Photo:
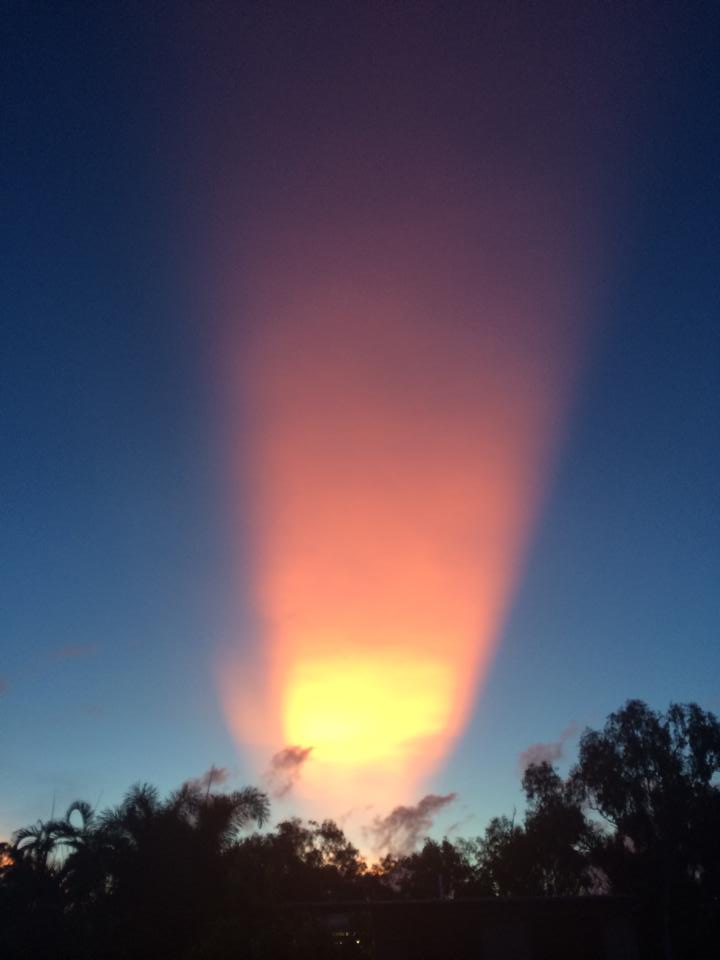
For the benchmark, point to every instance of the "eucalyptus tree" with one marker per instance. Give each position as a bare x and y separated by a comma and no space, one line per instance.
652,777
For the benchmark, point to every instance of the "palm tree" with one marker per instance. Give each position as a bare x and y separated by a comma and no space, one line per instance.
165,860
216,819
127,822
35,844
146,875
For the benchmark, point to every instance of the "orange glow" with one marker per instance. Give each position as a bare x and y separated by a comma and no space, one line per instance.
400,423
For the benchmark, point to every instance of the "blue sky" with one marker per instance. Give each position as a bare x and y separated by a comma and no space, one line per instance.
115,555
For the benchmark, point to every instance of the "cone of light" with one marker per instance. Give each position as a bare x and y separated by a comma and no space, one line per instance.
398,438
401,324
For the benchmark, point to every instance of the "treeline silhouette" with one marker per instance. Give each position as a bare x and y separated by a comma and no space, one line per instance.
183,877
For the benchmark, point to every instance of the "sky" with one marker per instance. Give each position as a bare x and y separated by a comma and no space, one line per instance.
280,281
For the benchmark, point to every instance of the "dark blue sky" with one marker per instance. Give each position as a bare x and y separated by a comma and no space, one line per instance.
115,555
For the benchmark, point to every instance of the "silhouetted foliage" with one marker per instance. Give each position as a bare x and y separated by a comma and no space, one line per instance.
652,778
438,870
181,877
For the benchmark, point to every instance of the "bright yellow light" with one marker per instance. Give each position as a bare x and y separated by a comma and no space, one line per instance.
361,710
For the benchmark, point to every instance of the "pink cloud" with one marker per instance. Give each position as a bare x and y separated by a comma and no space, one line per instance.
404,828
550,752
284,771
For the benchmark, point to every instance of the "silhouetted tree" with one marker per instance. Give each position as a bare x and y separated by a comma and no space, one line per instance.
181,878
652,777
561,840
440,870
548,854
32,902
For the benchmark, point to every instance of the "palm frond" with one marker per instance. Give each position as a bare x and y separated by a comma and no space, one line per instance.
87,813
142,797
33,832
251,806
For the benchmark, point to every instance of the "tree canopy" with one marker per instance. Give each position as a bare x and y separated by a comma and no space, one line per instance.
192,876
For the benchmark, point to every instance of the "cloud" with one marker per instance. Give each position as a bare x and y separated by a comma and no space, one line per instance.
214,777
284,771
94,710
550,752
73,651
454,827
403,828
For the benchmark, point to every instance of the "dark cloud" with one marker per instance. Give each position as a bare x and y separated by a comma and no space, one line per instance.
284,771
403,828
545,752
73,651
214,777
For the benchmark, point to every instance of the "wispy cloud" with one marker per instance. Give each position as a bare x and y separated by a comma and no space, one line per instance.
73,651
549,752
403,828
94,710
455,827
284,770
